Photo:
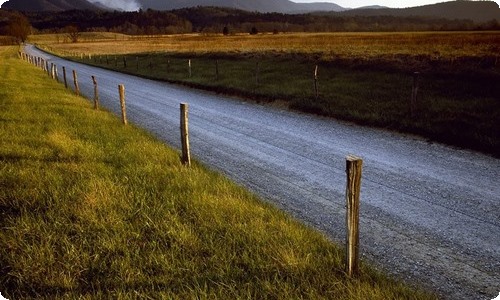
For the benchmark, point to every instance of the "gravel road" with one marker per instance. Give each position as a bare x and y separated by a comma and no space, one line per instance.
430,214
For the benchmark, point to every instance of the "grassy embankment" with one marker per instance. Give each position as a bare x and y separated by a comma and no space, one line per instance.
90,208
363,77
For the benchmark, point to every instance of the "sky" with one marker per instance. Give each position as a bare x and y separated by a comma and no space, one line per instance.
343,3
388,3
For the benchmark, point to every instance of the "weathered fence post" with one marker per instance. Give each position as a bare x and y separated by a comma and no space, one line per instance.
75,81
414,94
53,71
353,169
186,155
96,93
121,90
316,87
64,76
56,73
47,69
190,72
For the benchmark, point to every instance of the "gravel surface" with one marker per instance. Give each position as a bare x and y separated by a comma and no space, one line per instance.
430,214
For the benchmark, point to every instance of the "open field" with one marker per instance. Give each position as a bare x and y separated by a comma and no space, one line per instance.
363,77
94,209
325,46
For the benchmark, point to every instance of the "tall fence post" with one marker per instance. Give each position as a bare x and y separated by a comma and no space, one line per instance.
353,169
186,154
414,94
56,73
75,81
53,71
190,71
96,93
121,90
64,76
316,87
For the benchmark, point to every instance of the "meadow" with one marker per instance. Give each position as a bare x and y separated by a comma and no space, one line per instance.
92,209
365,78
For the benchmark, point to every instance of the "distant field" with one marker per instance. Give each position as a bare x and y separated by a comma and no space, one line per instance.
363,77
444,45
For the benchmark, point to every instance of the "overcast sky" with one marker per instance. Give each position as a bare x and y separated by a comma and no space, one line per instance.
359,3
388,3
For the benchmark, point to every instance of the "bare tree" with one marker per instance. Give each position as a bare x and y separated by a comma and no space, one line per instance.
19,27
73,33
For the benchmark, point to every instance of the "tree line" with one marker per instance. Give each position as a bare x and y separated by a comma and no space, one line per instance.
221,20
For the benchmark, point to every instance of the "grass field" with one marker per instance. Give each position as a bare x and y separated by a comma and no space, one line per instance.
363,77
325,46
92,209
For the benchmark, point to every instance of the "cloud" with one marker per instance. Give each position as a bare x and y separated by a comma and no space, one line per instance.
128,5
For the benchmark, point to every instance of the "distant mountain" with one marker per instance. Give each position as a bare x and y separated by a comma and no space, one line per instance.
264,6
49,5
477,11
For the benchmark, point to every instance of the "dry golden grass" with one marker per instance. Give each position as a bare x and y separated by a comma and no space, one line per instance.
324,45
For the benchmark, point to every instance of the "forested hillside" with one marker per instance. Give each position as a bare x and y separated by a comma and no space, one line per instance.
219,20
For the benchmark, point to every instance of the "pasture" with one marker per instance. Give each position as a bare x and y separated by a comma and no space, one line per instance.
366,78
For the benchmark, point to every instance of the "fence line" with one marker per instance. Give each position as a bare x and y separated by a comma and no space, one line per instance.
353,164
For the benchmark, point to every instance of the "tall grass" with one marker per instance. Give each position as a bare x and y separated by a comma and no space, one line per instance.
93,209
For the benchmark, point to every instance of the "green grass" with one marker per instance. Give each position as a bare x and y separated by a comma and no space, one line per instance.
90,208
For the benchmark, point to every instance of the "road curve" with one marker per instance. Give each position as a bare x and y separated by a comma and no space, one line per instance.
430,213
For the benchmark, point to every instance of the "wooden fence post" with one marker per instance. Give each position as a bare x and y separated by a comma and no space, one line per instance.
190,72
64,76
121,90
53,71
96,93
316,87
75,81
186,154
56,74
353,169
47,69
414,94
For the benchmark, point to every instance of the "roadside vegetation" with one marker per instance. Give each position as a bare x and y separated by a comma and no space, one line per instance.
362,77
90,208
